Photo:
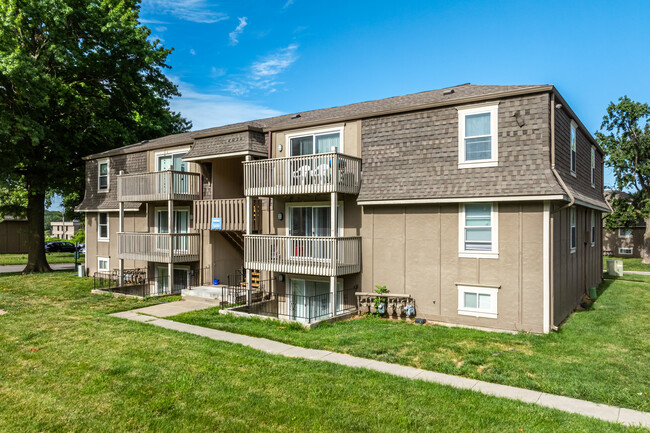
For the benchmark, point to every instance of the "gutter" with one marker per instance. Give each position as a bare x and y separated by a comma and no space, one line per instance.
557,175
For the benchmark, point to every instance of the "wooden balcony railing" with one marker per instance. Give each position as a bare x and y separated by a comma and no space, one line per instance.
158,186
155,247
232,212
303,254
311,174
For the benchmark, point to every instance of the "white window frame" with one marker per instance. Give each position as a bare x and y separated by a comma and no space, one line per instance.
171,153
573,148
593,167
593,228
624,230
625,251
314,133
494,224
99,227
494,134
108,264
108,174
573,230
490,313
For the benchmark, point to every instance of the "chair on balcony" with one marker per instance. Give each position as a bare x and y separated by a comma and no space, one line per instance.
321,175
301,175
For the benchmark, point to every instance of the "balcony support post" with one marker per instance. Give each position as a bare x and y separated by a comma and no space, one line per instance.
121,230
249,230
170,230
334,224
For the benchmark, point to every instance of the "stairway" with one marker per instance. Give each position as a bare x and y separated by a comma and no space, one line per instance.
236,239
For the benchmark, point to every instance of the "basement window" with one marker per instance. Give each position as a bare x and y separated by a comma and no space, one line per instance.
625,251
477,301
102,264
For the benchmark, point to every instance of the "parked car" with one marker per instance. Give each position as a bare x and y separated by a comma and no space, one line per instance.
60,247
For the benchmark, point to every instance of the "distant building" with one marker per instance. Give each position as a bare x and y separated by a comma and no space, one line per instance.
623,242
13,235
65,229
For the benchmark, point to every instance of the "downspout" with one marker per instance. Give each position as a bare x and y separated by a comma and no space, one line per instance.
557,175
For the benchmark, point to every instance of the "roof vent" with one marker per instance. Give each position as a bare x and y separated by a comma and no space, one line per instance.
448,92
296,116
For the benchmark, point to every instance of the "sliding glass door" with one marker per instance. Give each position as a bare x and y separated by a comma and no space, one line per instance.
310,299
311,221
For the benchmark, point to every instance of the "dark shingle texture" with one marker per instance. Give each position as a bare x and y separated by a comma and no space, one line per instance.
94,200
415,155
358,110
251,141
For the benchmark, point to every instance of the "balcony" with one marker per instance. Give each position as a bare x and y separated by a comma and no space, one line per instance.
311,174
232,212
155,247
305,255
158,186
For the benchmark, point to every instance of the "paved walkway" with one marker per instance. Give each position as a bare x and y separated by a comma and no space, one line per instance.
566,404
637,272
54,266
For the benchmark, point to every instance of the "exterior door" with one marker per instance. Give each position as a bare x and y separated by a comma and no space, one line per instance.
181,279
311,221
162,280
181,225
310,300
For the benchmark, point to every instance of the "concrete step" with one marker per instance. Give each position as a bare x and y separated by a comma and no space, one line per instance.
209,292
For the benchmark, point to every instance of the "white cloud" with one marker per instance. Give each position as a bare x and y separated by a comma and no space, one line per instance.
161,29
207,110
287,4
217,72
263,73
198,11
238,31
275,63
192,52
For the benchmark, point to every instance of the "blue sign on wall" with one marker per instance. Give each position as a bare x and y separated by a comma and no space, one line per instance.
215,224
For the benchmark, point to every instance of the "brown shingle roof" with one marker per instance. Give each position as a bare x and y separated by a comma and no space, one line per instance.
409,102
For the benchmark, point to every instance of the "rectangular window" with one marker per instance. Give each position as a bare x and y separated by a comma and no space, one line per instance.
625,251
102,264
478,301
573,147
593,166
593,228
478,230
624,233
573,233
102,175
315,143
477,134
102,226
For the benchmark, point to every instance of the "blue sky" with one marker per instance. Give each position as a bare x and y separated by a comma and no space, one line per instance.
241,60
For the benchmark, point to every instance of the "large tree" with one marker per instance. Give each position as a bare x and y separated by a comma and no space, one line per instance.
76,77
626,142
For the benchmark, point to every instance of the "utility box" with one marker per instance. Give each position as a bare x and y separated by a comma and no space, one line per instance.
615,268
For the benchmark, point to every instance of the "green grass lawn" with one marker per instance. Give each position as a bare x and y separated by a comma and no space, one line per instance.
629,263
600,354
68,367
21,259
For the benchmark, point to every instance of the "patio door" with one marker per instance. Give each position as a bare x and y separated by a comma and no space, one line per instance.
312,221
181,279
173,162
162,280
181,225
310,299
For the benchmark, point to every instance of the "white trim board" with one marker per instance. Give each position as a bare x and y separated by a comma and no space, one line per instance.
224,155
546,268
495,199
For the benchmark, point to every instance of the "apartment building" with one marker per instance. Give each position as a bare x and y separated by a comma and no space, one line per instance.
65,229
478,205
624,241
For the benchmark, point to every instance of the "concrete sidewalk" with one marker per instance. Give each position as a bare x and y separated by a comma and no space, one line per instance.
595,410
54,266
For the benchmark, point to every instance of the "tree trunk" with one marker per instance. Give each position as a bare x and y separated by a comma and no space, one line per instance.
645,251
36,260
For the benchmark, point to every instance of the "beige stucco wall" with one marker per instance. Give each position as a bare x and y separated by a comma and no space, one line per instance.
414,250
133,222
612,242
351,138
